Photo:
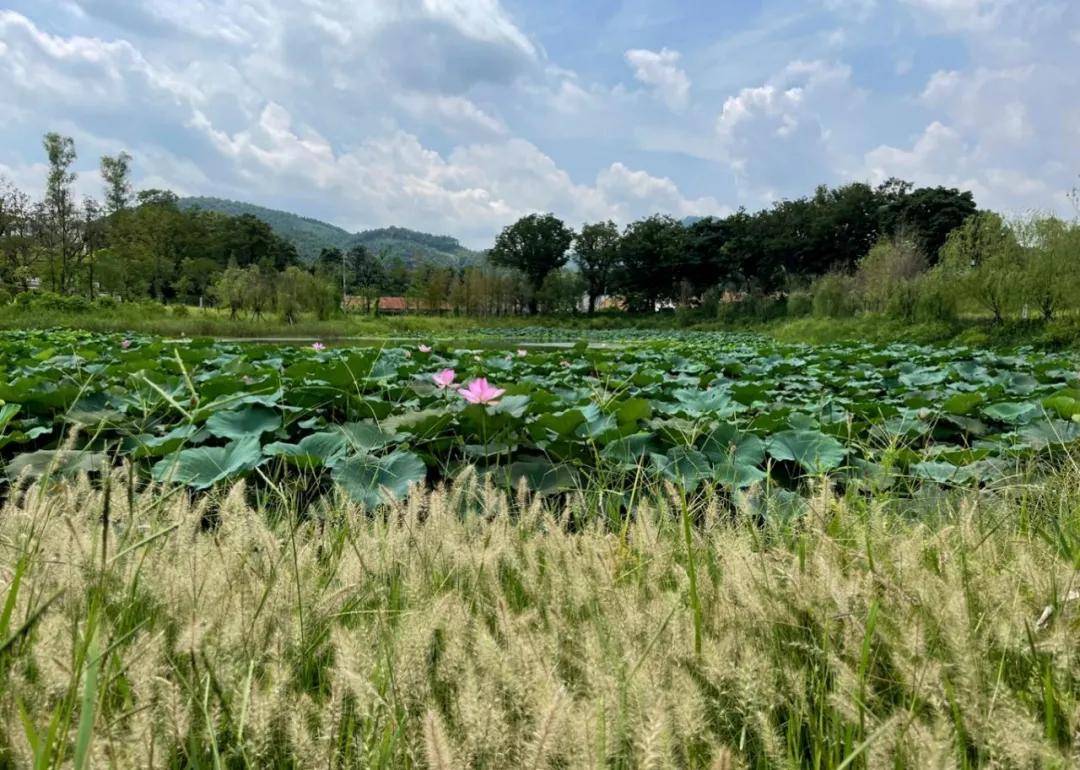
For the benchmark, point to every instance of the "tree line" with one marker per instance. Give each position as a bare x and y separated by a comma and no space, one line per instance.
660,261
826,250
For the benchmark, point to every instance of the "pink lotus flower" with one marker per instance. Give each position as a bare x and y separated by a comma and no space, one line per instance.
522,352
424,348
444,379
317,346
125,344
481,392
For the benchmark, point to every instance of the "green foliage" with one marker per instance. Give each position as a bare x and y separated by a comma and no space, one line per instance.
596,253
985,261
800,304
834,296
649,253
926,215
535,245
561,292
1051,249
752,308
696,408
935,299
890,268
300,292
311,236
116,171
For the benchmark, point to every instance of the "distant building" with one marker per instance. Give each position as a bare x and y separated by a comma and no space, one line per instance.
393,305
353,303
603,302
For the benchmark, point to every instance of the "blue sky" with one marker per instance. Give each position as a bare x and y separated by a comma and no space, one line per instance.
458,116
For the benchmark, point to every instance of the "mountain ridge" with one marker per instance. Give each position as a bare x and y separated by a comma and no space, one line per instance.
311,235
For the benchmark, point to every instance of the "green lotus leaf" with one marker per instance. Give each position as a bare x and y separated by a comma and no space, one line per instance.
202,467
815,451
247,421
1012,413
542,476
373,481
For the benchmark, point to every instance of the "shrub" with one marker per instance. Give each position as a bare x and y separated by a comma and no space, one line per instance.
105,302
834,296
710,301
800,304
1051,280
753,308
47,300
935,300
902,300
889,268
983,259
561,292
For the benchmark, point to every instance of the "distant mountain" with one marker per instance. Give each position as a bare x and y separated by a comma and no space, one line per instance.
310,236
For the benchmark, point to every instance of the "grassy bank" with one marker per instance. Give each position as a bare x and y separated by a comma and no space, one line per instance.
1056,335
175,321
466,630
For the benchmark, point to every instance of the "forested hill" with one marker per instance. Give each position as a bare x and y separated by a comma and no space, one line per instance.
310,236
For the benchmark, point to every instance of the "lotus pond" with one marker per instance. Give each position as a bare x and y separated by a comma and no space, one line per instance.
726,411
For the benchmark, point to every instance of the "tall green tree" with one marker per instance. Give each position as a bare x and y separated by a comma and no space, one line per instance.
116,171
926,215
366,275
1051,262
596,251
649,253
985,262
535,245
230,289
18,238
61,216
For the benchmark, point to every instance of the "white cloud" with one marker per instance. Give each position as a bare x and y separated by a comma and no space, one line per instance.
931,159
634,194
472,191
660,70
453,113
78,70
962,14
1001,125
782,134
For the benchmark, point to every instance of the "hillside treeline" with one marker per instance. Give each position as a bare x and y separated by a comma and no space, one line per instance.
893,248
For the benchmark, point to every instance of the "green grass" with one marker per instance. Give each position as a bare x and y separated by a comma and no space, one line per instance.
465,629
175,321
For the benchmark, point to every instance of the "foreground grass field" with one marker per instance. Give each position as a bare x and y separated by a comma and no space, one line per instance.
464,629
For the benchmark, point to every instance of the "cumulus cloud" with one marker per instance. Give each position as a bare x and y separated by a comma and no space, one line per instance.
781,134
78,70
632,194
660,70
472,191
1000,125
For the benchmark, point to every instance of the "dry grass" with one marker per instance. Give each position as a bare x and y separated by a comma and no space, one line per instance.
465,630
